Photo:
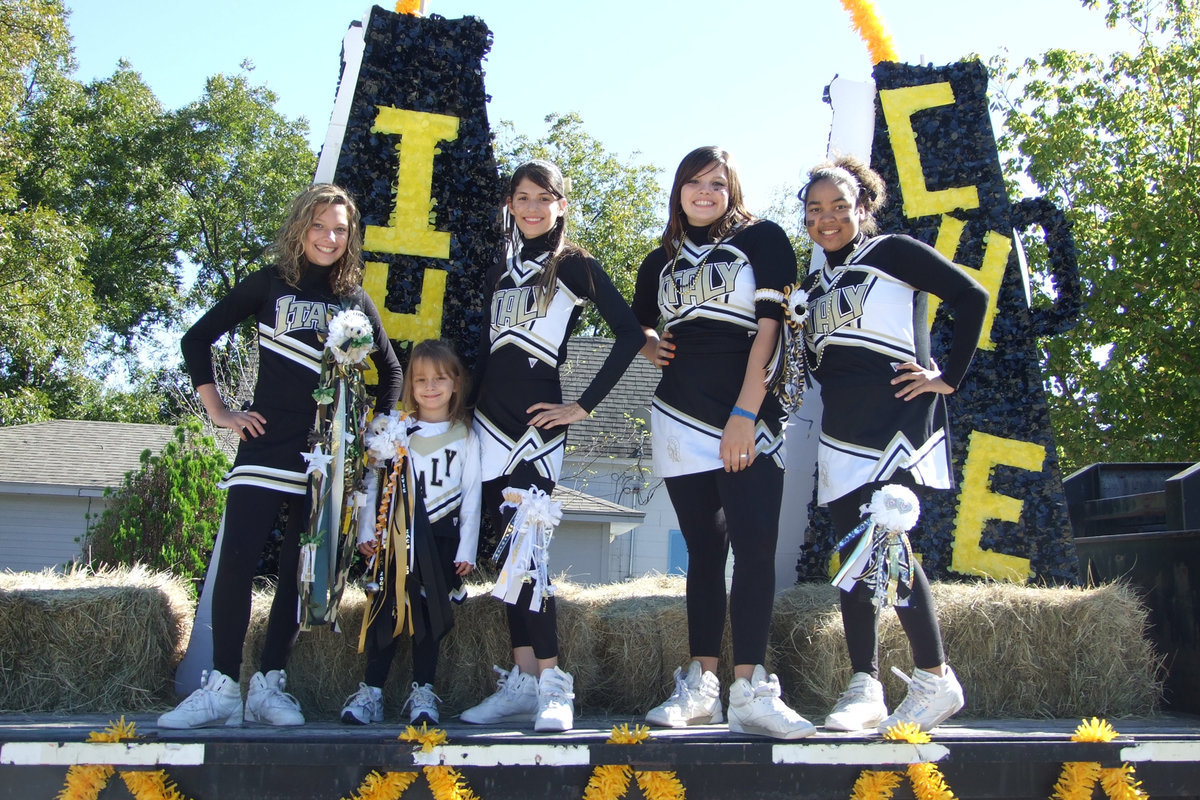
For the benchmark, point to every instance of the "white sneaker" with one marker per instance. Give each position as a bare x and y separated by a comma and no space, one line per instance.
695,701
515,700
756,706
268,704
364,706
861,706
931,700
422,704
218,701
555,701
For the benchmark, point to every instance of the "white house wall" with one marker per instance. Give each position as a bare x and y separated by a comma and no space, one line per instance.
43,530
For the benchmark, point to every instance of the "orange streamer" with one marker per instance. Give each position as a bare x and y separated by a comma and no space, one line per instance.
871,30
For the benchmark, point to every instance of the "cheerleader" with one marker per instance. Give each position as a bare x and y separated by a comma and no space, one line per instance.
884,420
718,434
317,272
536,295
443,466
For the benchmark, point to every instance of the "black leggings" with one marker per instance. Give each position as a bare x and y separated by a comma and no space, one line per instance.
250,511
718,510
536,629
860,617
379,657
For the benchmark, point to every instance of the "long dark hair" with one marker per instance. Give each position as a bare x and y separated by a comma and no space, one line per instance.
288,248
699,161
857,180
550,178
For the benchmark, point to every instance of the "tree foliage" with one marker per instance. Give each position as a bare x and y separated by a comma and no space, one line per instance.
1115,142
166,514
613,202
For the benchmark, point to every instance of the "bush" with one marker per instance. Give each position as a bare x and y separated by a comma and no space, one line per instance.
165,515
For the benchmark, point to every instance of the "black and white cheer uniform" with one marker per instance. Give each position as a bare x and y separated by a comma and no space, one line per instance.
269,469
525,345
865,319
444,457
706,297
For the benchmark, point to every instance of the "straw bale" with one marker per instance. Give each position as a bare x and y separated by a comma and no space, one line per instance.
84,641
1019,651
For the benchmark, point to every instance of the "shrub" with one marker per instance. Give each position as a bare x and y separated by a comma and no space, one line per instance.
166,514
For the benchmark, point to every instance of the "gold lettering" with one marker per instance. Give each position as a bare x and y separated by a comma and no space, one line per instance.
426,323
997,246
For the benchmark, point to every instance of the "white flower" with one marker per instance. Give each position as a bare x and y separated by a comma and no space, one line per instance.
894,508
797,306
387,435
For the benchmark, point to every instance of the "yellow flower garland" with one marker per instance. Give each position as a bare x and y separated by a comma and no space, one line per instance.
445,783
1078,778
86,781
926,779
611,781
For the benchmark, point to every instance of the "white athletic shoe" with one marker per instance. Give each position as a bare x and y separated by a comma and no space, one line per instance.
555,701
931,700
364,706
218,701
422,705
515,700
695,701
756,706
861,706
268,704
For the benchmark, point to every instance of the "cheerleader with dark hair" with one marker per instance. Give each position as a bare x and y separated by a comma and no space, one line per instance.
884,420
536,296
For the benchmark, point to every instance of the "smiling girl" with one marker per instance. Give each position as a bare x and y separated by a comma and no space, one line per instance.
317,272
536,297
718,433
443,457
884,418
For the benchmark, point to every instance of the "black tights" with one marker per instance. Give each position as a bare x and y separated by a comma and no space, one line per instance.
718,510
536,629
860,617
250,511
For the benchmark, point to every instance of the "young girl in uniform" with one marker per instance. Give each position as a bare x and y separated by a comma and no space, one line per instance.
443,457
718,434
536,295
884,419
317,272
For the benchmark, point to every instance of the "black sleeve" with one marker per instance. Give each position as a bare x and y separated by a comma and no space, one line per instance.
484,351
587,276
927,270
391,378
645,291
242,302
774,262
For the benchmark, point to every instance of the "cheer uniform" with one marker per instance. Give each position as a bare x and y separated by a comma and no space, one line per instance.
268,469
706,296
867,316
522,349
444,460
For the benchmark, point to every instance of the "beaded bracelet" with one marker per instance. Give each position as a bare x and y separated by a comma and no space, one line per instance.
738,411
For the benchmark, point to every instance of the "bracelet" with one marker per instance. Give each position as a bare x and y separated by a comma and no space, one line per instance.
738,411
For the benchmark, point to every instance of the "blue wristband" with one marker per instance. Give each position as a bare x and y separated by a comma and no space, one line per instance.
738,411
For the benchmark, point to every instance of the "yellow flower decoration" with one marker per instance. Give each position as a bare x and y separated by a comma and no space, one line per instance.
447,783
611,781
86,781
388,786
926,779
428,739
1078,778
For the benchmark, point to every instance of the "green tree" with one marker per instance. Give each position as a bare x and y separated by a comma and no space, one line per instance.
1115,141
167,513
614,203
240,163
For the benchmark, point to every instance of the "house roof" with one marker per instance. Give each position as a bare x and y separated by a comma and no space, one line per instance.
620,425
76,453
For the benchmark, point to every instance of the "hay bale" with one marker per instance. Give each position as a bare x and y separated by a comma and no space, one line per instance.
91,641
1019,651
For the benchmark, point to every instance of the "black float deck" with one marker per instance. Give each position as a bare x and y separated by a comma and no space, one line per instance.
1012,758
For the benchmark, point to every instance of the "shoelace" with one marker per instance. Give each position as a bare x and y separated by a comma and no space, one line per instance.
918,695
362,696
421,698
682,690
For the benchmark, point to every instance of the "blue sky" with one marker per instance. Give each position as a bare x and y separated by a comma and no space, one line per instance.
657,77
